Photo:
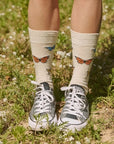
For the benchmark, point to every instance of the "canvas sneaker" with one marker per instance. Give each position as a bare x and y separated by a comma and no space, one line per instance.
42,114
75,113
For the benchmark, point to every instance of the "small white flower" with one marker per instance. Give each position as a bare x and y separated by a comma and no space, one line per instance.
18,58
22,56
70,65
13,6
104,17
24,31
5,100
68,54
78,142
68,27
14,53
2,14
99,67
4,49
31,76
2,113
10,37
14,33
69,18
53,64
69,138
105,10
106,6
9,10
87,140
4,40
1,142
4,119
61,53
22,62
60,66
14,79
102,33
22,35
62,32
60,136
64,66
11,43
3,56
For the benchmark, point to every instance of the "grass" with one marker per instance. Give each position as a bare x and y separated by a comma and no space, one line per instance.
16,72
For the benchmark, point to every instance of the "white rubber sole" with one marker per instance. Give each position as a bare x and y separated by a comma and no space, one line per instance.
72,127
41,125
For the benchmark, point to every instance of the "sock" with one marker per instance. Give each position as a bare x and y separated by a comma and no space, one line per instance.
42,45
84,46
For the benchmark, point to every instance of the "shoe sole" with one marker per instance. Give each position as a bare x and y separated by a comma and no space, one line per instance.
44,125
72,127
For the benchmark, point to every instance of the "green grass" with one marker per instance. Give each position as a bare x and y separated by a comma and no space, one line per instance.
16,72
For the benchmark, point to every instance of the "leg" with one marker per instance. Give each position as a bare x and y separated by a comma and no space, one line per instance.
85,23
43,18
43,14
86,16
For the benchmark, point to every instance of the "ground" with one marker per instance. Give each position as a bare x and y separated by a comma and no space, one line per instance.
17,71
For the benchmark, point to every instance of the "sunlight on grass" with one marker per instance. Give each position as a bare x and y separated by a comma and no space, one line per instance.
17,71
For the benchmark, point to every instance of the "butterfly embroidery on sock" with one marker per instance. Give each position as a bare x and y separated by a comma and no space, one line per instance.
42,60
50,48
81,61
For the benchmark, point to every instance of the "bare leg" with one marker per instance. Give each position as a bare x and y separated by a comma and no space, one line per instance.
85,23
43,14
86,16
43,17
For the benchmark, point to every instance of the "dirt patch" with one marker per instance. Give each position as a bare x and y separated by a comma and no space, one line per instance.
105,120
108,136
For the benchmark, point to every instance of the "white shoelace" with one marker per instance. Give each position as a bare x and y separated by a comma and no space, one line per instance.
74,105
43,99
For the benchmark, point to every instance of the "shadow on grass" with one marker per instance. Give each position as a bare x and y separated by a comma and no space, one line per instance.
99,77
98,83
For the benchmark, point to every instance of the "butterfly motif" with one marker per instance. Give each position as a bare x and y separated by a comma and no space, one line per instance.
81,61
50,48
42,60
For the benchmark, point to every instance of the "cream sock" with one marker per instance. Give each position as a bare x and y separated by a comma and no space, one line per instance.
84,46
42,45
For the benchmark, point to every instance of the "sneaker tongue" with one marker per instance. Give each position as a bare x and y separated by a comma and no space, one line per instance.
81,89
46,86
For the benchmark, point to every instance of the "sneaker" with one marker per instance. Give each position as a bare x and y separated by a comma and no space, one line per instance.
75,113
42,114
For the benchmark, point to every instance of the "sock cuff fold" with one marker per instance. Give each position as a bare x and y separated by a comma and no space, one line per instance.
42,36
83,39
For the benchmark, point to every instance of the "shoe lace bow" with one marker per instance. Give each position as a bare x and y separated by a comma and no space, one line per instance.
74,103
43,99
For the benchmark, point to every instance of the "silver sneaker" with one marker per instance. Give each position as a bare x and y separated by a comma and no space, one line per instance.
42,113
75,113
